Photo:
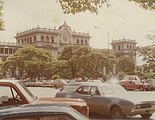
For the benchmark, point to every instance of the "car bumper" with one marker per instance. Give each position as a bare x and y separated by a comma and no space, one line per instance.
142,111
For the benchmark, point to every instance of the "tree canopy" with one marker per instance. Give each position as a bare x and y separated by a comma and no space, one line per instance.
29,61
77,6
1,14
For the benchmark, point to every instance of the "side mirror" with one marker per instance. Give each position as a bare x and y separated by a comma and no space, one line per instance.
92,94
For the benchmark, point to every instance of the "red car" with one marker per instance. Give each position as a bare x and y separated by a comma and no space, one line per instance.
135,85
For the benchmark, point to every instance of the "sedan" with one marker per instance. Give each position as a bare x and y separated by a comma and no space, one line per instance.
135,85
41,112
112,100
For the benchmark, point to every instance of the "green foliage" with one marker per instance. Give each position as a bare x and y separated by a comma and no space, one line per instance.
54,77
148,53
1,14
126,65
121,75
77,6
28,60
146,4
82,61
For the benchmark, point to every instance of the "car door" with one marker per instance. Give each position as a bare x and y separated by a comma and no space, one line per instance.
83,93
95,100
131,85
9,96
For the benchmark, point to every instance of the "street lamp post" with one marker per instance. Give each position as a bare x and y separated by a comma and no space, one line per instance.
96,27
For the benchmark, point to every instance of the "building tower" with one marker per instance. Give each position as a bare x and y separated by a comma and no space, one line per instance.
124,47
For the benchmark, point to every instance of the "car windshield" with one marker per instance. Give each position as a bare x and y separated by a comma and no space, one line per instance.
69,88
138,82
26,92
112,89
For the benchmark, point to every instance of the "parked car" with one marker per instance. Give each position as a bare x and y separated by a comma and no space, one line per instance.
152,82
14,93
135,85
131,77
71,86
112,100
41,112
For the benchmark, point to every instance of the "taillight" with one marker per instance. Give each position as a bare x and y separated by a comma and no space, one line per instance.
82,109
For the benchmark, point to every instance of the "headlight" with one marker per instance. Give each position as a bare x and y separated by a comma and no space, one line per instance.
137,106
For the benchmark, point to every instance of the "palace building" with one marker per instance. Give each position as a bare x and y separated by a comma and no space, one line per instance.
53,40
124,47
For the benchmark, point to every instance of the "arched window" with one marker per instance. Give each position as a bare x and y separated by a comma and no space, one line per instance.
22,41
119,47
30,39
27,40
47,39
34,38
81,42
122,46
52,39
127,47
114,47
77,41
86,43
42,38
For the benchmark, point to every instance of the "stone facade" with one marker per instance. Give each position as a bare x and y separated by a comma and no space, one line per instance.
53,40
124,47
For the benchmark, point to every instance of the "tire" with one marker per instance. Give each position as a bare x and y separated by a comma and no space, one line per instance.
141,89
146,116
116,113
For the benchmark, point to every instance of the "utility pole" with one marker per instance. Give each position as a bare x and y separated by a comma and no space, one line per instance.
108,68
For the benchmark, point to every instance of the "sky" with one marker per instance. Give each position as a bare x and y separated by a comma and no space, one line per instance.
123,19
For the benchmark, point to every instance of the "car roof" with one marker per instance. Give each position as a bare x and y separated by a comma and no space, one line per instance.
41,108
98,84
9,80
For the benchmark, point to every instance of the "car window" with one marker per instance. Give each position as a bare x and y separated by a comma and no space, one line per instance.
9,96
94,91
57,117
22,118
69,88
106,90
83,90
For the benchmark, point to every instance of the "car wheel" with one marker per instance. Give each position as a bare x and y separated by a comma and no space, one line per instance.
141,89
146,116
116,113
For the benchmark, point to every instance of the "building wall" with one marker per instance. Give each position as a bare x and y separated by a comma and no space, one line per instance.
125,47
53,40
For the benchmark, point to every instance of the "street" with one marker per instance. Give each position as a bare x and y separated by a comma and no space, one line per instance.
51,92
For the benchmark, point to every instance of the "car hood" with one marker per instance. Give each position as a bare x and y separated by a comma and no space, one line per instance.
68,101
136,97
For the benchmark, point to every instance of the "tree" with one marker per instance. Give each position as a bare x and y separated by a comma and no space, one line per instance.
83,61
28,60
126,65
77,6
146,4
1,14
148,56
72,55
148,53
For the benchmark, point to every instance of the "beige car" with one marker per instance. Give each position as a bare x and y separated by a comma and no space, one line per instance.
14,93
41,112
112,100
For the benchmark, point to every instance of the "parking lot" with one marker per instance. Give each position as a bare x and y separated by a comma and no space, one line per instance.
51,92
